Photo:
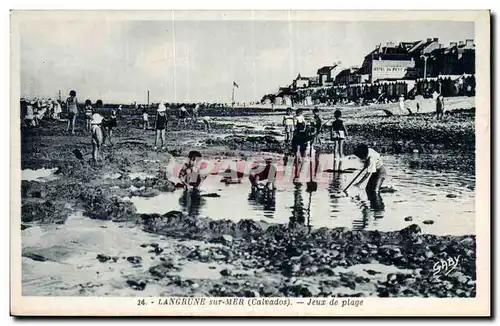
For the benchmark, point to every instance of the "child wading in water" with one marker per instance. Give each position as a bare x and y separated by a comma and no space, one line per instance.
338,134
96,130
88,114
190,172
299,141
375,173
288,122
160,125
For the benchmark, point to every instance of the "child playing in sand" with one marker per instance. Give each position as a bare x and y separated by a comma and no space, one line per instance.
190,172
338,134
288,122
88,114
72,105
97,133
145,119
160,125
375,171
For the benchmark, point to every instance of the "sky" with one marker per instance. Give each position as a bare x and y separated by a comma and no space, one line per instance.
197,61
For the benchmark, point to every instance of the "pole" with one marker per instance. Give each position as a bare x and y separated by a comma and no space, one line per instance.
148,100
59,95
232,99
425,68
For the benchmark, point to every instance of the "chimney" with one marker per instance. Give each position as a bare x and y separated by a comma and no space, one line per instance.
441,45
429,40
435,39
469,42
461,43
452,44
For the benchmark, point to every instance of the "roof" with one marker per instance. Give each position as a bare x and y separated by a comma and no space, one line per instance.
325,69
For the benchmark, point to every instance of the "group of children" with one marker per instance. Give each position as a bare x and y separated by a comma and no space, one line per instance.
302,134
34,111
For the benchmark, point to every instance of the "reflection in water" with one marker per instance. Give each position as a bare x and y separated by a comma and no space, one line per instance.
265,197
192,202
298,214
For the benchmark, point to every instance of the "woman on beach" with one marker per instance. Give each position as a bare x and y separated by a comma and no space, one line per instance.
338,134
375,173
160,126
72,105
88,114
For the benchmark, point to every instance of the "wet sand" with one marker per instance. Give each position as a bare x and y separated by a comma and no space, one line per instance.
82,235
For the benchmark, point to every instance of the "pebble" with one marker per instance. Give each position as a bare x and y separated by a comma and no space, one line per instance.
226,272
451,196
428,222
134,260
408,218
103,258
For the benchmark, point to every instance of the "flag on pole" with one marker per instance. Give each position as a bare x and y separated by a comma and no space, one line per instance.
235,85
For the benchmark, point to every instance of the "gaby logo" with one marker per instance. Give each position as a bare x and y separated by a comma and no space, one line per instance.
270,168
446,265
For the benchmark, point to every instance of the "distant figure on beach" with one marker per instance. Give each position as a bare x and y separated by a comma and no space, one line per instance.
317,127
338,134
375,173
195,113
29,118
289,123
160,125
88,114
97,131
145,119
183,115
402,103
206,123
56,110
110,124
439,107
72,105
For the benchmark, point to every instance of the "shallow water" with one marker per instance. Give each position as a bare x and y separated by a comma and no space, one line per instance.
72,267
41,175
420,194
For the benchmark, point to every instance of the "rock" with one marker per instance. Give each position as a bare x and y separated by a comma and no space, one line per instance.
428,222
306,259
162,270
251,294
24,226
371,272
195,286
211,195
154,245
115,259
438,185
35,257
451,196
408,219
137,285
226,272
144,245
103,258
134,260
309,291
226,239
